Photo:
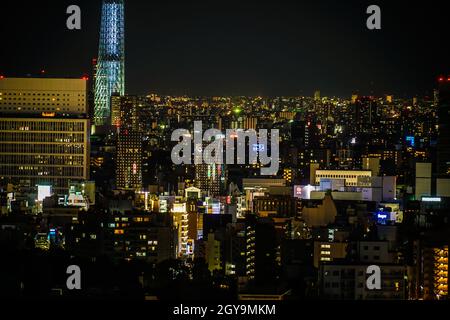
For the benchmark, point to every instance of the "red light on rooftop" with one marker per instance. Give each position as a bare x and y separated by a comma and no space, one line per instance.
440,79
2,77
85,78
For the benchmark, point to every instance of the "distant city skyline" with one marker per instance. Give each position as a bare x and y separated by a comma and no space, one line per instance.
241,49
261,152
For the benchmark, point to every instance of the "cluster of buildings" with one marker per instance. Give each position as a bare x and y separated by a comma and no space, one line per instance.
312,230
362,181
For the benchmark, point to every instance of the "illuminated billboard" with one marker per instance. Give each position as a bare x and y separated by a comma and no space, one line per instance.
431,199
44,192
298,192
304,192
179,208
411,141
258,147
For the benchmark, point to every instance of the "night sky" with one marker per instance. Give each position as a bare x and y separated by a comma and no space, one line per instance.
231,48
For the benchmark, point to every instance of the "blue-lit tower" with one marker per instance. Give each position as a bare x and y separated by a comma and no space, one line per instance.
110,76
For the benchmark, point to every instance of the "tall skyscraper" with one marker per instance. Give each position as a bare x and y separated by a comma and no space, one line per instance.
210,178
129,143
125,112
110,76
366,116
129,159
443,146
44,132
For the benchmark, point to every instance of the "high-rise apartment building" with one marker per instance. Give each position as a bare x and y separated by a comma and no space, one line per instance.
129,143
125,112
129,160
210,178
366,115
433,270
261,249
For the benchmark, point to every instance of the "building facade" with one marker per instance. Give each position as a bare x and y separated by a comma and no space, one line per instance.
44,132
129,143
348,282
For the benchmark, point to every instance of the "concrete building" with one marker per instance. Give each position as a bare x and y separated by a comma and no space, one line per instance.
44,132
181,223
322,214
132,235
43,96
376,252
325,252
348,282
260,250
433,268
351,177
252,183
372,164
129,142
423,180
213,253
129,160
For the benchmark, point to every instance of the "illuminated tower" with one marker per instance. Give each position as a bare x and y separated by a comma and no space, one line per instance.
110,76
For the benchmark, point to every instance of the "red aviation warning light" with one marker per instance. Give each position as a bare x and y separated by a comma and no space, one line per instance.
444,79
